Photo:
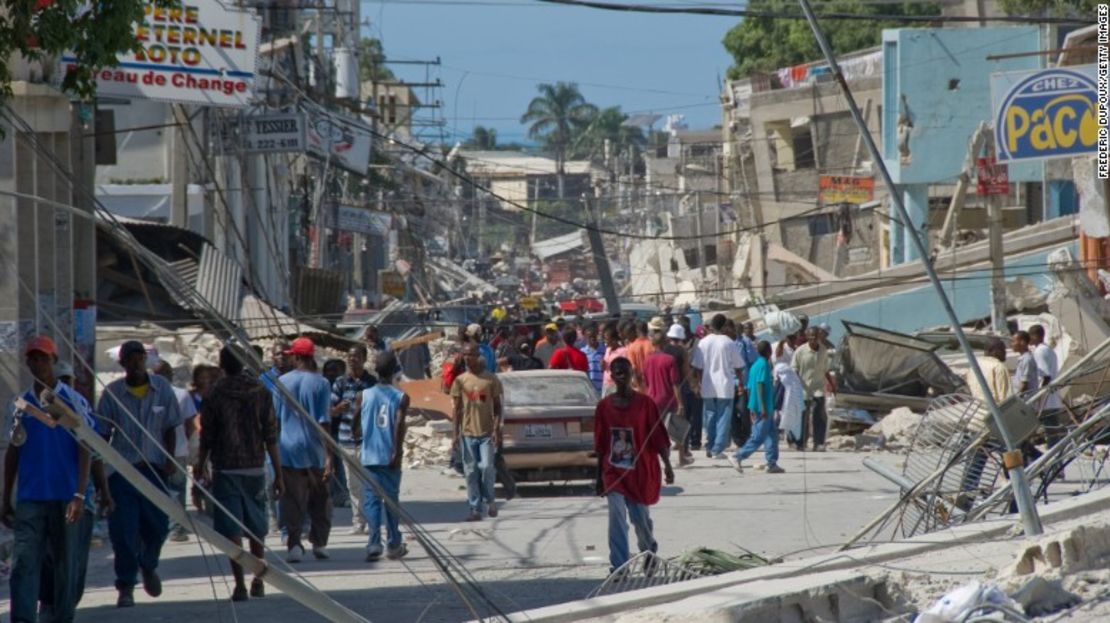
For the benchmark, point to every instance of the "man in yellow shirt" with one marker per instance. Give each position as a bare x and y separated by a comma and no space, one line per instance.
994,370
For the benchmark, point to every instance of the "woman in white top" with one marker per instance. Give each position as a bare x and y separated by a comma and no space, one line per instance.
793,402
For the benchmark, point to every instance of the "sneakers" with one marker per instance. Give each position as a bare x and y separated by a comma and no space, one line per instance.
258,588
296,553
239,594
492,510
126,598
179,535
357,529
775,469
373,553
152,584
396,553
321,553
735,463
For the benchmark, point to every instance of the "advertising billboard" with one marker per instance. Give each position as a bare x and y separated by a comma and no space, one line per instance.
1046,113
196,53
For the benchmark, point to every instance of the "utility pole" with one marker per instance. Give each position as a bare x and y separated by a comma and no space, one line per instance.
601,261
1012,459
179,172
998,269
698,233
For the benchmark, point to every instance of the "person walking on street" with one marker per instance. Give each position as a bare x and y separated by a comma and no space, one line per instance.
476,334
1026,376
761,405
1048,368
717,364
631,441
53,471
811,362
305,463
568,357
178,483
477,395
663,384
595,355
345,391
136,407
381,413
614,348
546,345
639,347
238,431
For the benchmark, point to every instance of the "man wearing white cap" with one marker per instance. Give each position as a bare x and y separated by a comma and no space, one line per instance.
474,334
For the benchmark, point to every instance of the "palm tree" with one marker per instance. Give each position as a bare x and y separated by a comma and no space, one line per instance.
608,125
556,116
483,138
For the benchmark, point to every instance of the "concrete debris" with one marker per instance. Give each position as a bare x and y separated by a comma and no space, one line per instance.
428,445
1041,597
1079,549
897,427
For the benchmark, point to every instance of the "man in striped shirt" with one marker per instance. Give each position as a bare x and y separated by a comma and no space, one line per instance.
595,355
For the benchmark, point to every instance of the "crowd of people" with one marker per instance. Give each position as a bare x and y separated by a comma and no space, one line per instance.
663,387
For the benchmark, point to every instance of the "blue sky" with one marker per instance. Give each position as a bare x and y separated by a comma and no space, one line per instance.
494,56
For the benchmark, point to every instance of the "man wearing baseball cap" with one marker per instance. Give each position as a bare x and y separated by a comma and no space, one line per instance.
136,408
53,481
475,334
548,344
305,464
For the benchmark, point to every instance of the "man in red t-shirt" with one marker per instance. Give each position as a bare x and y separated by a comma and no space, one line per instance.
629,435
662,383
569,357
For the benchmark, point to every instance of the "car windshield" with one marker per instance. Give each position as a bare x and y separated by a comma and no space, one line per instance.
548,391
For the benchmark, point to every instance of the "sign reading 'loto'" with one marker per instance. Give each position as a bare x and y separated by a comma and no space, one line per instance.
1048,113
197,53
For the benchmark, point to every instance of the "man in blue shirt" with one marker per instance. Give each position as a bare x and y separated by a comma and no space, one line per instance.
53,480
142,414
381,422
475,334
761,404
305,463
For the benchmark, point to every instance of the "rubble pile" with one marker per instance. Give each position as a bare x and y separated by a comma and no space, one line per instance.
893,432
427,443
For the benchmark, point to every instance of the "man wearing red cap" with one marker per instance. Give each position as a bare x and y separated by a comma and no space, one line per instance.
53,482
142,413
305,464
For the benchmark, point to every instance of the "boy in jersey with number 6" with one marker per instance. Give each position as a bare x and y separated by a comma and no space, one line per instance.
630,440
380,421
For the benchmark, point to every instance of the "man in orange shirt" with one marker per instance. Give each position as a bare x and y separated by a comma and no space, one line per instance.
640,347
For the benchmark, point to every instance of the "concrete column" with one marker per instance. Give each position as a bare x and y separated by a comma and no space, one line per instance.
916,198
897,248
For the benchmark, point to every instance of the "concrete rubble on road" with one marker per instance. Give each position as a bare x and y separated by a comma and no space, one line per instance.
427,443
893,432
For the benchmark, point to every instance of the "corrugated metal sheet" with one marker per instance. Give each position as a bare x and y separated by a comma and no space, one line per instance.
558,245
219,280
317,291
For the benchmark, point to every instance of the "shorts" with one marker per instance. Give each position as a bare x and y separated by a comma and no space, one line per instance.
244,497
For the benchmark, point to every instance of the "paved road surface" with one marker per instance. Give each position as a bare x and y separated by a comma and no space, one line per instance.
548,546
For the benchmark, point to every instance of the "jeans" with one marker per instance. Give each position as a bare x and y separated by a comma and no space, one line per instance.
389,483
691,404
41,533
717,419
621,508
764,433
79,561
815,410
137,528
477,457
177,484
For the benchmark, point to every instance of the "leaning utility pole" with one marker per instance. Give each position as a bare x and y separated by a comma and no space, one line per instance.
1012,459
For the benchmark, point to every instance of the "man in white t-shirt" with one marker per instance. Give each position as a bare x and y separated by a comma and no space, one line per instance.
1048,367
178,482
717,364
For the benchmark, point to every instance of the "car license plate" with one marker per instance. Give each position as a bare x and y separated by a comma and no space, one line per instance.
535,431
